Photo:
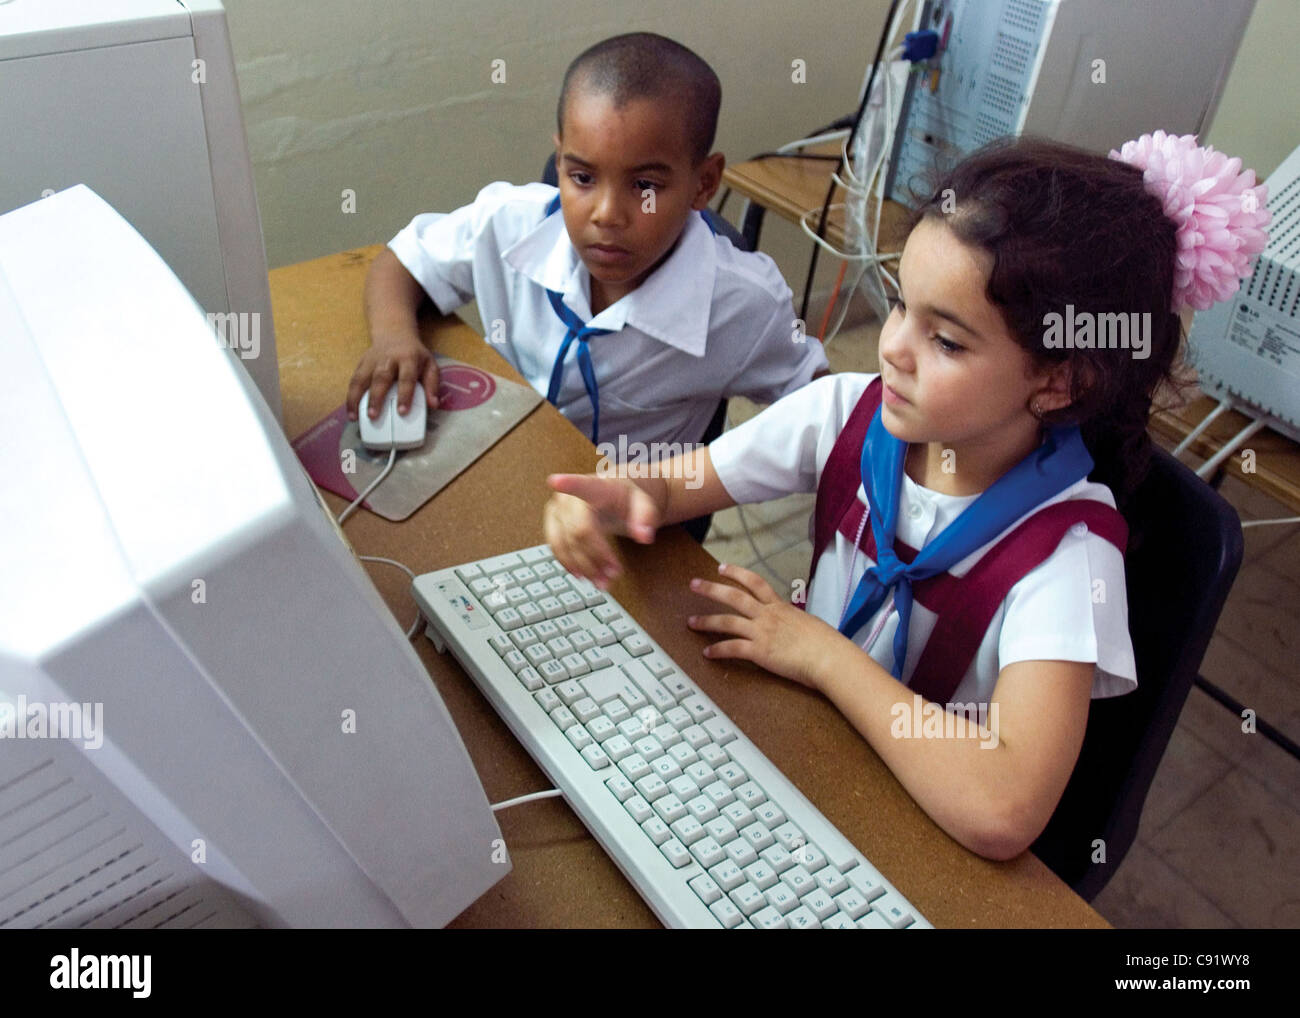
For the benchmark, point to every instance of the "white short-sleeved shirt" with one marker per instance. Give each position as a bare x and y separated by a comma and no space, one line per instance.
711,321
1051,614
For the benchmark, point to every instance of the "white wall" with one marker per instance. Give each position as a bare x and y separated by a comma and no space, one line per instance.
394,98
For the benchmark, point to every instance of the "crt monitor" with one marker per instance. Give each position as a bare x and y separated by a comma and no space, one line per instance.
208,717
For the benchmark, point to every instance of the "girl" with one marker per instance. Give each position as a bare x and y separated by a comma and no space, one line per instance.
1036,315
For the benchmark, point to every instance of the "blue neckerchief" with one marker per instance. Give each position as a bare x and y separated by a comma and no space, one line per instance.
581,332
1051,468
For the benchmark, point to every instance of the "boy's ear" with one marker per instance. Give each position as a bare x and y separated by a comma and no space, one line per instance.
709,176
559,146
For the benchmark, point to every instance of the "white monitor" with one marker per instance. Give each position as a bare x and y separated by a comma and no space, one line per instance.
207,714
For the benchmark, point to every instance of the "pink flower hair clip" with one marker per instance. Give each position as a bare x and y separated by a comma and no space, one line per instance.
1220,213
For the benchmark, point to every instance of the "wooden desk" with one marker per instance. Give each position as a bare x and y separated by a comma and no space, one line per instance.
561,876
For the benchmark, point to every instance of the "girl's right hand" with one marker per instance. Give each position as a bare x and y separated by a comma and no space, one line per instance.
584,510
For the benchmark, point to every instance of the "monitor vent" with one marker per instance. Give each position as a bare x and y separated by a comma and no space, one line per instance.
68,863
1013,55
1025,15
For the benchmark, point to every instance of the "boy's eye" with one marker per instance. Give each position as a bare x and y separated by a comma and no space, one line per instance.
647,185
580,177
947,345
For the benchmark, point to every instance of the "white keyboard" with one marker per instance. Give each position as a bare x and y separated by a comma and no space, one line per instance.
709,832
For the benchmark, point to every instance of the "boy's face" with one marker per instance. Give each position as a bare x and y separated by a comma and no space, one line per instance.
627,183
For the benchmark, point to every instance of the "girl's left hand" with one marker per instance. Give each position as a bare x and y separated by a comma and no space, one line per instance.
765,629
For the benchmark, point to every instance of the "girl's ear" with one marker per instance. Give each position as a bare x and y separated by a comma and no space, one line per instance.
1055,385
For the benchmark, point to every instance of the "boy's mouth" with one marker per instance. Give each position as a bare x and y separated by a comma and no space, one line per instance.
608,254
893,397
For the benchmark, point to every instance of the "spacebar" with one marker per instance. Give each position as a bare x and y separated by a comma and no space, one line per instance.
821,832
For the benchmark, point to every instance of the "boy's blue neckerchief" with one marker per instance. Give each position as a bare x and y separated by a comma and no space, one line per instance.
581,332
1059,462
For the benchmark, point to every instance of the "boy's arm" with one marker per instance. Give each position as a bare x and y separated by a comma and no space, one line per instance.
396,355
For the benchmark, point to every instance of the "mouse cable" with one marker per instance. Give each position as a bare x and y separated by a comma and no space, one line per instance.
531,797
415,626
392,458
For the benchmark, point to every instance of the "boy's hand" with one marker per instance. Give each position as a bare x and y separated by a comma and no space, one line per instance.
404,361
587,508
765,629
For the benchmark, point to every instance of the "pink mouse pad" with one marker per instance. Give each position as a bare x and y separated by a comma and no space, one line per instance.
475,409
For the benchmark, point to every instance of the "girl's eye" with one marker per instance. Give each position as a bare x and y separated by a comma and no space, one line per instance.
947,345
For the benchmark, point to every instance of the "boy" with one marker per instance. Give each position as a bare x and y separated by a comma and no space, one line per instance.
619,305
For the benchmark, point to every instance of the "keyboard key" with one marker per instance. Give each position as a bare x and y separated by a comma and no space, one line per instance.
586,710
733,774
748,898
687,830
581,640
595,657
603,635
545,570
570,692
653,787
530,613
502,644
469,572
683,754
636,644
741,852
606,613
508,618
675,852
546,699
638,809
893,910
553,672
667,735
760,875
531,680
708,852
695,736
705,887
603,686
867,882
551,606
669,807
563,717
537,653
621,787
810,857
557,585
738,813
601,728
648,746
656,830
699,708
568,626
524,637
722,829
758,836
781,898
658,665
579,737
700,772
851,903
684,788
546,630
616,711
648,684
714,755
534,556
482,587
676,683
720,730
559,646
571,601
703,808
772,815
665,766
576,664
622,628
790,836
873,920
587,591
819,903
517,598
802,919
719,794
635,766
516,660
616,748
768,918
777,857
536,589
726,913
631,696
632,728
839,921
831,880
508,561
595,756
798,880
678,717
751,795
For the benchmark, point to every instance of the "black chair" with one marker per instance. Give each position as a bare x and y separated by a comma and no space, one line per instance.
1185,546
698,528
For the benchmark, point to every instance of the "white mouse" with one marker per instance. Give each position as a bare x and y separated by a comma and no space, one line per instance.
391,430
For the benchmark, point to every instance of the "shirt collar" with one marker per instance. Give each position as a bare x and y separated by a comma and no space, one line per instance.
672,305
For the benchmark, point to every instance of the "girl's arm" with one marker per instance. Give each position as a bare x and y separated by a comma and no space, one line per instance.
588,507
994,789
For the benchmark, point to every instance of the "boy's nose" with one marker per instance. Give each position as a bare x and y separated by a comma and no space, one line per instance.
608,210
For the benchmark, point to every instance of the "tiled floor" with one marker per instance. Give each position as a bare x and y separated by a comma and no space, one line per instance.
1219,843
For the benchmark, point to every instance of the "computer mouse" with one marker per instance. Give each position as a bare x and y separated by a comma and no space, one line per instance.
391,430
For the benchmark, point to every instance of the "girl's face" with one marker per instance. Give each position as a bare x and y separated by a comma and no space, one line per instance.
953,374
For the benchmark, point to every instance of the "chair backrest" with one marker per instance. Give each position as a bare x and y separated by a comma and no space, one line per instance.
1185,547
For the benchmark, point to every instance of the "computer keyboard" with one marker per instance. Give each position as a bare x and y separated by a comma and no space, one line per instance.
705,827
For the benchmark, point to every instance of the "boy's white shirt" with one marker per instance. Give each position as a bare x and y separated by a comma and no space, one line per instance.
656,382
1050,614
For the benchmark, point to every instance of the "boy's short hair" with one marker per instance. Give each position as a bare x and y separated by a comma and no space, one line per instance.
642,65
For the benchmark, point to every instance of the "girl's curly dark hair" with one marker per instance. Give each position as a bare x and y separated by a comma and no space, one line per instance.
1068,227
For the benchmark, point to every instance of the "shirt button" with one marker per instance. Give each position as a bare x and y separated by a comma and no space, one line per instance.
1079,529
914,511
